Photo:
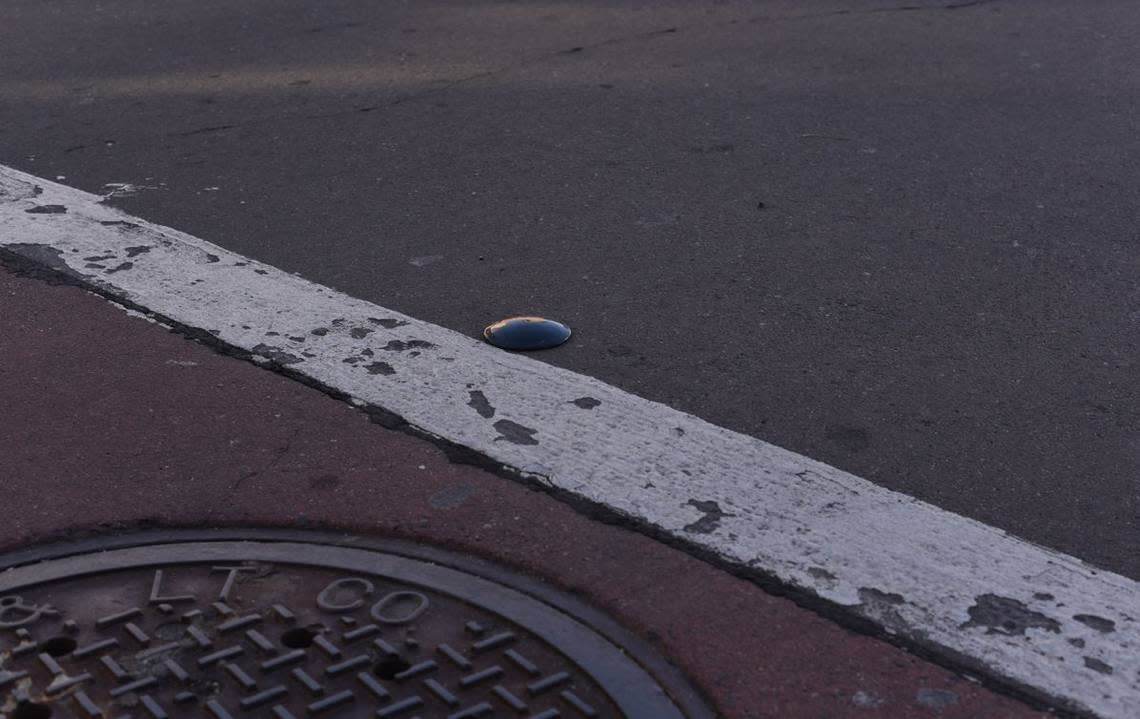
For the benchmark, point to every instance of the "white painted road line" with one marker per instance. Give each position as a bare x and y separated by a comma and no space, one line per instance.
1036,618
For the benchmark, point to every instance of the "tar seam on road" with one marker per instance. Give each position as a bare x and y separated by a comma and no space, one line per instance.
955,588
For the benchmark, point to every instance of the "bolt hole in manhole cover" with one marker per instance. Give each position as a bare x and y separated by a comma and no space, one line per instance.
266,624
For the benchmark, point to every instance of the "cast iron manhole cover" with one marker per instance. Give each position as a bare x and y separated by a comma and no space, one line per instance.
286,629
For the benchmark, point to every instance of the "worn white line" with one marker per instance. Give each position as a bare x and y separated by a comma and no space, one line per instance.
1043,620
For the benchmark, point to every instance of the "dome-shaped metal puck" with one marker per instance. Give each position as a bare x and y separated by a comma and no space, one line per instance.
526,333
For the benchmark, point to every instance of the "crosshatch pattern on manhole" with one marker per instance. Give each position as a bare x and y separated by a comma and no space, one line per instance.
254,638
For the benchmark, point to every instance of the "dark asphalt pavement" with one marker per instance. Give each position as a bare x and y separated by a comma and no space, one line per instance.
902,240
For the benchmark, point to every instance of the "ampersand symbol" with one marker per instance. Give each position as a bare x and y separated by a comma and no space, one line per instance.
13,605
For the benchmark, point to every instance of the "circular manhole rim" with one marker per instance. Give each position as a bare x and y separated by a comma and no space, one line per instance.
685,697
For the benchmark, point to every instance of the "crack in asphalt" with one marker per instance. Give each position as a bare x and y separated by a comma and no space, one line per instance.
204,130
876,11
278,455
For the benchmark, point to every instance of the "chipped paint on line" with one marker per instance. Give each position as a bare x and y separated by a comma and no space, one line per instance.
939,580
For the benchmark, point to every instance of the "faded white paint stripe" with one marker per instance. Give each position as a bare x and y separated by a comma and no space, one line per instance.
933,577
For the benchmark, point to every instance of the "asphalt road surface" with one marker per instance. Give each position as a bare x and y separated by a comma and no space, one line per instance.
900,238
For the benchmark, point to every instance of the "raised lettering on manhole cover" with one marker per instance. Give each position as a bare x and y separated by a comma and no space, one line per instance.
280,629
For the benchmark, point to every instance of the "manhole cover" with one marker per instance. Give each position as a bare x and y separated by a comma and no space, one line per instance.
244,628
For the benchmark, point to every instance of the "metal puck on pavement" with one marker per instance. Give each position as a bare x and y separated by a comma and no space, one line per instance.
245,625
526,333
